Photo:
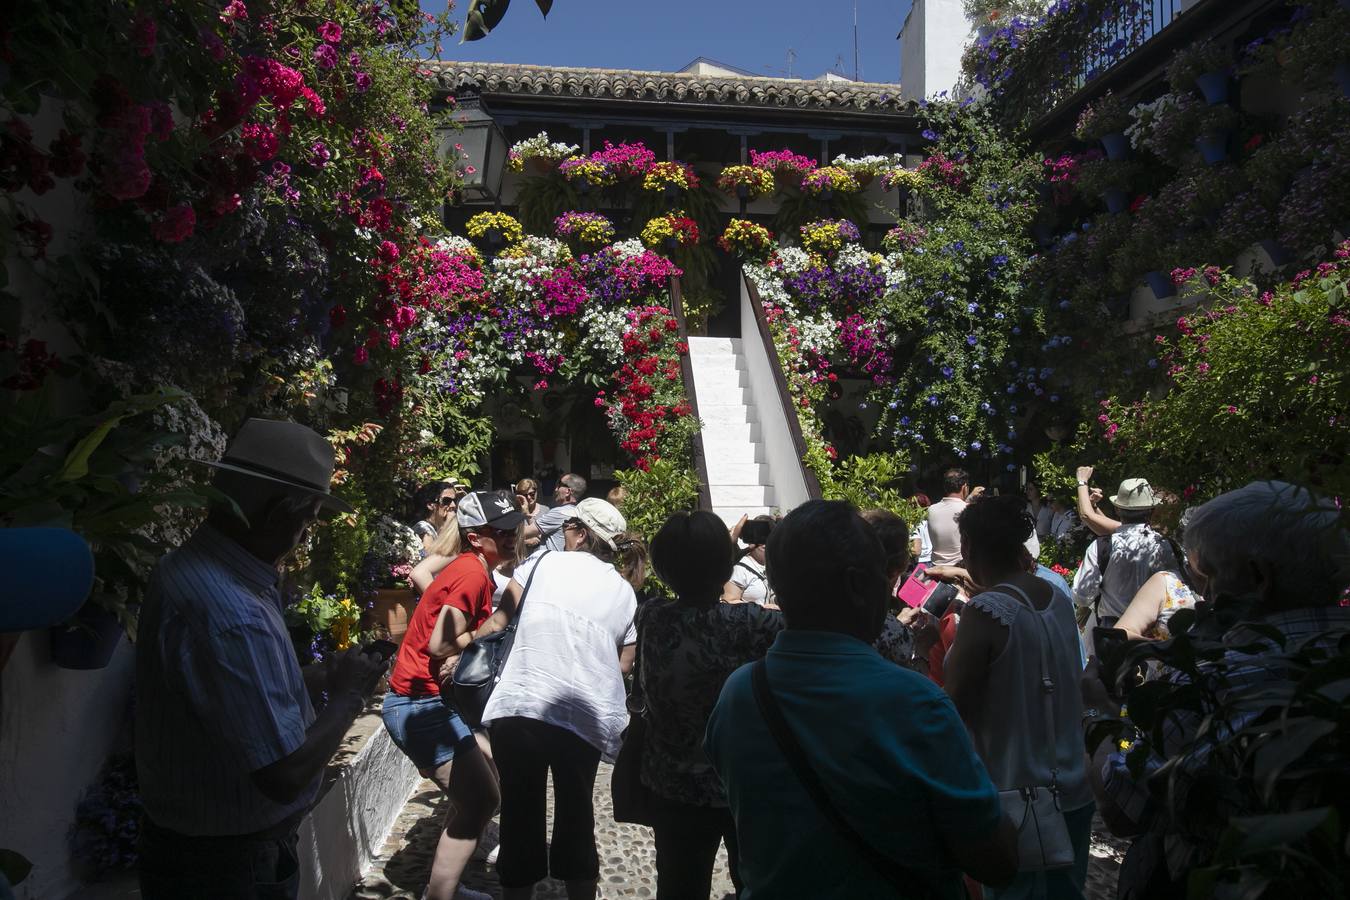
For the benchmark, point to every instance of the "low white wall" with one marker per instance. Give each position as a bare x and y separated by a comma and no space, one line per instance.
787,473
354,815
931,43
57,727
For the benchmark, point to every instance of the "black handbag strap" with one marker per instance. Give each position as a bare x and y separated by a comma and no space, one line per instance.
902,878
1048,685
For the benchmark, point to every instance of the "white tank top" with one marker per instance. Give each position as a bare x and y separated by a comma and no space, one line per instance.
1009,728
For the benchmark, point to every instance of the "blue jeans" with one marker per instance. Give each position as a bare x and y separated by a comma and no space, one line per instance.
1058,884
248,867
425,729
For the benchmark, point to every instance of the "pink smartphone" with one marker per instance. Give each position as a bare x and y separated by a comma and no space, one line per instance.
914,592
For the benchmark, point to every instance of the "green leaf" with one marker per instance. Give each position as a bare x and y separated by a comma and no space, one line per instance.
1266,832
483,16
76,465
14,865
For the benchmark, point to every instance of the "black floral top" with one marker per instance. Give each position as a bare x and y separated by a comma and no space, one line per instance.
685,655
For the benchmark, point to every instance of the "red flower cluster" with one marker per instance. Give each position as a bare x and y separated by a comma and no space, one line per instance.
649,394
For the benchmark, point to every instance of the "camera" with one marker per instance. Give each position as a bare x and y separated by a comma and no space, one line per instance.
756,531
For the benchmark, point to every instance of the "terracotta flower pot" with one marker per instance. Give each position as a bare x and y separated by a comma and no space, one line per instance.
539,166
391,609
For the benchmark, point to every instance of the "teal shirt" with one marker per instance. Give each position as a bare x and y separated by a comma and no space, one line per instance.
887,744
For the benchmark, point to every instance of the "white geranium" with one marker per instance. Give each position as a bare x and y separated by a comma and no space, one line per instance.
540,147
629,249
869,165
602,334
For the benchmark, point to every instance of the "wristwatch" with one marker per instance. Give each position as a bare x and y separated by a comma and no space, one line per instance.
1082,484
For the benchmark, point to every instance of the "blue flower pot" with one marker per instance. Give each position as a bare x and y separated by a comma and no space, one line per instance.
1116,145
1342,76
1161,284
1116,199
1214,86
1278,255
1213,147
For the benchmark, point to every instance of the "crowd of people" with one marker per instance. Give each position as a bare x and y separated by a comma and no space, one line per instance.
793,704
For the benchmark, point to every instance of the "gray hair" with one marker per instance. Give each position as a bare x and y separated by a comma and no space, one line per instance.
1293,531
575,482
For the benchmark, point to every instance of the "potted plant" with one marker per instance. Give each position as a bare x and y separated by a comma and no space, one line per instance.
826,181
746,182
747,240
671,179
1105,119
1215,129
538,154
670,232
1204,65
584,229
493,231
394,550
1109,180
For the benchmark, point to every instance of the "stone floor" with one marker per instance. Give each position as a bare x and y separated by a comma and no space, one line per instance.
627,856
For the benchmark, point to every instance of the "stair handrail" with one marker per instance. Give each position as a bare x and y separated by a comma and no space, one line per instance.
691,393
780,384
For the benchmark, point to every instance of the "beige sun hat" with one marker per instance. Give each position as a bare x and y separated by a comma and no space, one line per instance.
1134,493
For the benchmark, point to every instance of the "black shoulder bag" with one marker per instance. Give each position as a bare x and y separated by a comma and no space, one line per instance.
480,664
907,882
633,801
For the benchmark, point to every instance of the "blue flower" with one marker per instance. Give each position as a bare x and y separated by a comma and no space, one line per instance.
1054,398
929,134
1153,364
975,445
972,307
953,419
998,317
1016,330
904,420
932,400
970,339
947,372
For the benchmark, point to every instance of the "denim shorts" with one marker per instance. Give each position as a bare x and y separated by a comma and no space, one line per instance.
425,729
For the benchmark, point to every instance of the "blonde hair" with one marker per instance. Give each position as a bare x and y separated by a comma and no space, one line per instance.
524,485
617,495
447,541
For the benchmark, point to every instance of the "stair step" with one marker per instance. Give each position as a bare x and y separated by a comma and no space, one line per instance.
713,383
741,495
732,514
730,433
732,451
725,470
716,415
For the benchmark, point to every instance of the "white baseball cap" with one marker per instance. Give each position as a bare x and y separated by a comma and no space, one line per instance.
602,519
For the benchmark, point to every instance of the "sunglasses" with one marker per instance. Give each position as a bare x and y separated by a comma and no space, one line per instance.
574,524
447,501
527,493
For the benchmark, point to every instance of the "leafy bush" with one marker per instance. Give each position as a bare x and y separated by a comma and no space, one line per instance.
653,494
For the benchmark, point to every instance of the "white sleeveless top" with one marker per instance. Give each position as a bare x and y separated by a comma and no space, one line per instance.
1009,728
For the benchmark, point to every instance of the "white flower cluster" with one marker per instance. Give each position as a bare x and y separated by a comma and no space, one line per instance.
602,334
1146,116
818,332
457,244
629,249
394,542
869,165
206,440
540,146
511,275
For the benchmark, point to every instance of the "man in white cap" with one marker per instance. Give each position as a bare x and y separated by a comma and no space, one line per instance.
229,750
1117,565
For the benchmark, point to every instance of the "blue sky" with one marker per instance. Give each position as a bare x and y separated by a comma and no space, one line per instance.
754,35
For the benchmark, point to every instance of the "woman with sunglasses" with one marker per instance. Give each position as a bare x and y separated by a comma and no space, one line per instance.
430,731
527,498
560,704
433,506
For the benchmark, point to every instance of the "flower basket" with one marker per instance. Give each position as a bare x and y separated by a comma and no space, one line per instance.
670,244
1213,87
390,609
537,165
1116,199
1213,147
1116,145
87,641
1161,284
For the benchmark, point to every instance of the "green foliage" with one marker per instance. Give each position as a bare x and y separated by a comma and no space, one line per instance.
331,615
664,488
1252,796
1258,389
872,481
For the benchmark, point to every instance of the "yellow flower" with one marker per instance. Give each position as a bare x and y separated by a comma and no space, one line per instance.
510,229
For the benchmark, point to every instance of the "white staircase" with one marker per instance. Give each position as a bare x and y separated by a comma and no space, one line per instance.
738,475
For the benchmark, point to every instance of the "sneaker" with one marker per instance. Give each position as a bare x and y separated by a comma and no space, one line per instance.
470,894
491,858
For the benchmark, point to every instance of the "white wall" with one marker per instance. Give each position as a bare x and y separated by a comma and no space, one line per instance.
934,34
56,728
787,473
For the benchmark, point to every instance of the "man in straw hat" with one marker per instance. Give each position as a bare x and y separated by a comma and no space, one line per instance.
229,750
1117,565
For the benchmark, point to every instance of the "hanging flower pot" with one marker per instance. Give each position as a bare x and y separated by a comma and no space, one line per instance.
826,194
494,240
671,244
1213,147
1116,199
742,192
1214,87
1116,145
1278,255
583,186
87,641
671,192
1341,74
1161,284
538,165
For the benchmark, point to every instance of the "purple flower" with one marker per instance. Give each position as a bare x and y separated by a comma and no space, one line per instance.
325,57
319,155
363,82
970,339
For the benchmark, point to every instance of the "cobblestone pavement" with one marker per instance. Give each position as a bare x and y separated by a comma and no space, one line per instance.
627,856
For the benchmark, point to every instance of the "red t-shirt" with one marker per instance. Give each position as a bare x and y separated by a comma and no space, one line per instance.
465,585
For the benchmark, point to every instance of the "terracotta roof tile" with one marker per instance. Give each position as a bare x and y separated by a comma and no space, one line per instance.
671,87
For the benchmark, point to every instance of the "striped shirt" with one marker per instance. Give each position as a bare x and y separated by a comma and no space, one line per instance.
219,691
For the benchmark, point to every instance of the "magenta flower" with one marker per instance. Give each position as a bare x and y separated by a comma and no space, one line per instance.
363,82
331,32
